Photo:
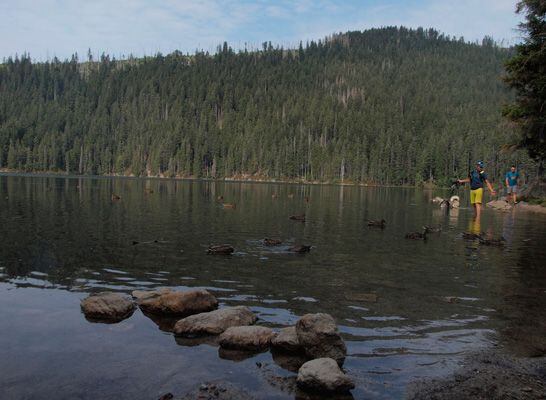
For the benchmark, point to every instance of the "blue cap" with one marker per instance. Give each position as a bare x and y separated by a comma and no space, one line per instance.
480,163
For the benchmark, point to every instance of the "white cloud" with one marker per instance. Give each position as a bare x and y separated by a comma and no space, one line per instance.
61,27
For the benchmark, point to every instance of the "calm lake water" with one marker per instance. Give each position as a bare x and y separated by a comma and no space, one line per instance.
407,309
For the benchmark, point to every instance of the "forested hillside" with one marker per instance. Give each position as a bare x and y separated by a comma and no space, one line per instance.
386,106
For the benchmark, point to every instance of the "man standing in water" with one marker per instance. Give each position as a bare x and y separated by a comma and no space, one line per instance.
476,179
512,184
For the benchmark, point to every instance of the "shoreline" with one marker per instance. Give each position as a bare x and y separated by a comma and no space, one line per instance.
238,179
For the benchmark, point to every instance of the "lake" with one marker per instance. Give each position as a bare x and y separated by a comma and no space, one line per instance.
406,309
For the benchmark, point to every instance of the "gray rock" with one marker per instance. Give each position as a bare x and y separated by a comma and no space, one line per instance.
287,340
140,295
248,338
319,337
107,306
500,205
214,322
170,302
323,374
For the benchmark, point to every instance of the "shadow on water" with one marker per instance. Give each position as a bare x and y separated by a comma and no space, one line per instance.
407,309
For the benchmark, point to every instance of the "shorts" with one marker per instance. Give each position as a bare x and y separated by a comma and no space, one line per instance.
476,196
512,189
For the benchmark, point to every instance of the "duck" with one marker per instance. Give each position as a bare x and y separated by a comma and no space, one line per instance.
300,248
220,249
418,235
436,229
298,217
380,223
229,205
115,197
472,235
272,242
493,242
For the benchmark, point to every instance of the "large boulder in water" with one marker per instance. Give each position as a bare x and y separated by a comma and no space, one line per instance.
214,322
107,306
170,302
319,337
287,341
323,374
248,338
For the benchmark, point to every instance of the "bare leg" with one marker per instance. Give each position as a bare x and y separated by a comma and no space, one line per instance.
478,210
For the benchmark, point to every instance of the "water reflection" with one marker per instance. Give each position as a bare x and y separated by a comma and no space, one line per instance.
65,237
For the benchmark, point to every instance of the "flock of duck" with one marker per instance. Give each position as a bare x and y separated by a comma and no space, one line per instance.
227,249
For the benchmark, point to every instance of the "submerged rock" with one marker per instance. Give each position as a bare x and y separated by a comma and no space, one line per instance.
290,361
169,302
248,338
214,322
287,341
108,306
319,337
217,391
323,374
500,205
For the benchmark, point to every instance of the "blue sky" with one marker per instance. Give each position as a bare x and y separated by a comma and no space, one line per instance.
47,28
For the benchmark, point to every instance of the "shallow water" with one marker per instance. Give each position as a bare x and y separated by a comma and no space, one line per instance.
407,309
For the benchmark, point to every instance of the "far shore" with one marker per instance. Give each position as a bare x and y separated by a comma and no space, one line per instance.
238,178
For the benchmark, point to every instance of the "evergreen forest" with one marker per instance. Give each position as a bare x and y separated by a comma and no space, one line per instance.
391,106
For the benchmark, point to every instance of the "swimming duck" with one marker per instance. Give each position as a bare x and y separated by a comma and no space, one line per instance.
418,235
298,217
115,197
435,229
380,223
272,242
229,205
220,249
300,249
492,242
472,235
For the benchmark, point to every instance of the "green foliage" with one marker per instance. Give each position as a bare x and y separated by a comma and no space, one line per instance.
526,73
387,106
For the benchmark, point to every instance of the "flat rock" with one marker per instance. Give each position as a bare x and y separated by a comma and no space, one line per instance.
323,374
217,391
500,205
108,306
140,295
214,322
247,338
170,302
319,337
287,340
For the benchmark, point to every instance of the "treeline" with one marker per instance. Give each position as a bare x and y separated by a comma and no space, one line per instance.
386,106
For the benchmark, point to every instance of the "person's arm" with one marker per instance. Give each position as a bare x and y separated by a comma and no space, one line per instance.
491,190
507,183
465,180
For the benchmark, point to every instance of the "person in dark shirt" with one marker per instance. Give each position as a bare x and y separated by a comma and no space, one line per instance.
512,183
476,179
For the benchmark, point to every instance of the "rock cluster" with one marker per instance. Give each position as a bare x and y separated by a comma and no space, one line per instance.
314,340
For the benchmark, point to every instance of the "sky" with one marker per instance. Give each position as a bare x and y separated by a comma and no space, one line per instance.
48,28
